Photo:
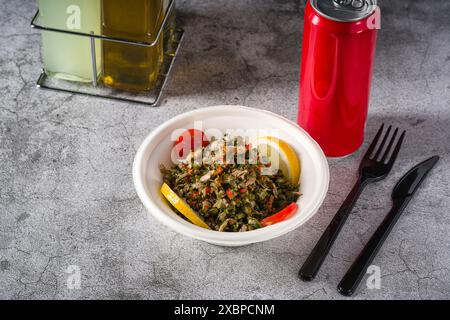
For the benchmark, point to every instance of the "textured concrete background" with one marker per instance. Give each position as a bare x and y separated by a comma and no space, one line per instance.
66,192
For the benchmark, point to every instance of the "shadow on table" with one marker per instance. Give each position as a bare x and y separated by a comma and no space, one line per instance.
427,134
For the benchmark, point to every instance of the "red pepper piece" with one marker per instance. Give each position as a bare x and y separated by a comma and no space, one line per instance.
280,216
190,140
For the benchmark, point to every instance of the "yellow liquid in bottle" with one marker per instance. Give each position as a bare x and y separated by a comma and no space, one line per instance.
131,67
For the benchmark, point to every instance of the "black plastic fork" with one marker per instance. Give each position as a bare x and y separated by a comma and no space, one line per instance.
372,169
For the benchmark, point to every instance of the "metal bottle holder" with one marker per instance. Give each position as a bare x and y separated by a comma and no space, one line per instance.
96,89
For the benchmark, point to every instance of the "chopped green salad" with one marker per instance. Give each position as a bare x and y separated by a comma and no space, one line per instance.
230,197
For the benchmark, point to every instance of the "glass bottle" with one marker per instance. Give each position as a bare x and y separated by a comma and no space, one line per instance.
69,56
125,66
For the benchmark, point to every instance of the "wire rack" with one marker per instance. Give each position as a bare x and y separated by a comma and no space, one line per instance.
96,88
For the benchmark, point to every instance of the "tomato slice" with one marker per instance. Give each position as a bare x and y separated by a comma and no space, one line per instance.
280,216
190,140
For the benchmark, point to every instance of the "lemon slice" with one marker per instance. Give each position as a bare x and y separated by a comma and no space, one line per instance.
182,206
281,156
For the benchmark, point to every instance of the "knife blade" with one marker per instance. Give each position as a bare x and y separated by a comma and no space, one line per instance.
403,192
411,181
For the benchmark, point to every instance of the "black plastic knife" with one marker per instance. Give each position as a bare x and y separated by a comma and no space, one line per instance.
401,195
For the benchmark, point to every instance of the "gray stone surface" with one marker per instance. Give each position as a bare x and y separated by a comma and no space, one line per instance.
66,192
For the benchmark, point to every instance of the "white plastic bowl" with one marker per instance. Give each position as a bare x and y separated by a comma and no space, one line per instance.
156,150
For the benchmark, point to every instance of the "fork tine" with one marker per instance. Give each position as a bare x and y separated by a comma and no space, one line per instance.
388,149
396,150
380,148
374,142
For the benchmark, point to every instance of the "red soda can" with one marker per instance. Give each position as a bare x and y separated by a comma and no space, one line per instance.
339,41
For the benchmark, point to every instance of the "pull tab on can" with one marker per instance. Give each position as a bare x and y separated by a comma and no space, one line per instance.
344,10
352,4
